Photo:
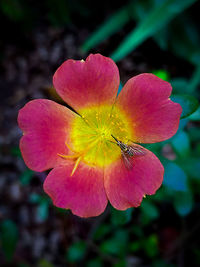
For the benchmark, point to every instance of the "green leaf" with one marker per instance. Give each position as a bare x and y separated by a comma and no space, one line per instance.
26,177
15,151
182,124
151,245
181,143
122,262
138,231
175,178
109,27
121,217
195,80
34,198
76,251
160,195
188,103
43,205
192,167
183,203
160,16
111,246
162,38
117,244
94,263
194,133
135,246
179,85
120,88
9,238
162,74
184,39
149,210
195,116
43,209
101,231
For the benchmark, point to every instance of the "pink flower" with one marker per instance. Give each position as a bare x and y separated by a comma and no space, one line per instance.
87,167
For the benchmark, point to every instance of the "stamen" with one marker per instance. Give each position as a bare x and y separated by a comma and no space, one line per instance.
76,166
67,145
76,155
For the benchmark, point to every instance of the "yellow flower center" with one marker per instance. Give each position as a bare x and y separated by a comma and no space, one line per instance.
91,134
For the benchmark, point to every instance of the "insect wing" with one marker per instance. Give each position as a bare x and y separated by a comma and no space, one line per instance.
127,160
136,151
129,155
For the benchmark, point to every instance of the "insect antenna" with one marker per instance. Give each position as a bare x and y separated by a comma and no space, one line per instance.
114,138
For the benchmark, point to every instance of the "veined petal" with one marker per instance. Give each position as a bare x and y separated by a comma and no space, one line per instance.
126,188
83,192
85,83
154,117
45,125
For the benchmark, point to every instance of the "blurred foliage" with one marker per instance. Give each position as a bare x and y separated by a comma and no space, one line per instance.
76,251
42,203
8,238
155,19
45,263
26,14
162,74
159,16
26,177
188,103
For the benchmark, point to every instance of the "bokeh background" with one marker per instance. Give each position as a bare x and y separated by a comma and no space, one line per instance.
157,36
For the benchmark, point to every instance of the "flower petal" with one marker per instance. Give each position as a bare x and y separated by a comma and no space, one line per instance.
126,188
85,83
83,192
154,117
45,125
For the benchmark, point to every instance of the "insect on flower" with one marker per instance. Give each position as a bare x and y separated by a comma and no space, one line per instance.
129,152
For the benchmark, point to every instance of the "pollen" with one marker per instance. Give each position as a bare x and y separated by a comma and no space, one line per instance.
90,137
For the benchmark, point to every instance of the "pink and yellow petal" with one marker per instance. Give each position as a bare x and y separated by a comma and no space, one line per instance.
87,83
45,125
126,188
83,192
154,117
